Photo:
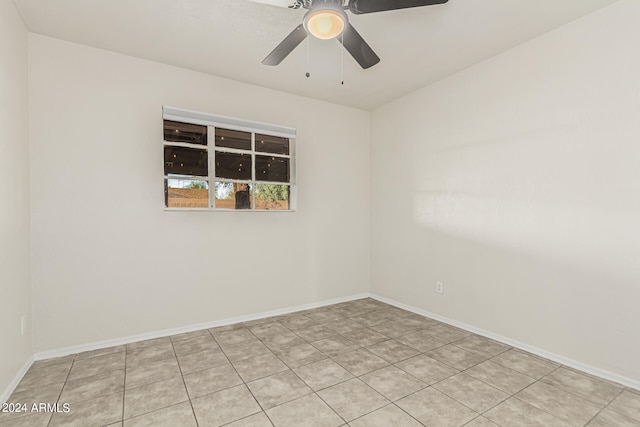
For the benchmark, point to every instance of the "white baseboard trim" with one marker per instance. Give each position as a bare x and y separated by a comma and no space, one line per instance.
167,332
628,382
607,375
16,380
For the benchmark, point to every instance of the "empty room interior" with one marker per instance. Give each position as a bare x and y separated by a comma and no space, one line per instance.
320,213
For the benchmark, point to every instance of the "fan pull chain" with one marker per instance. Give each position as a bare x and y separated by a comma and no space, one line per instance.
342,60
308,74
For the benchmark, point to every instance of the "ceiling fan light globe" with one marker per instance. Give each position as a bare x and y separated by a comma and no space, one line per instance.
325,24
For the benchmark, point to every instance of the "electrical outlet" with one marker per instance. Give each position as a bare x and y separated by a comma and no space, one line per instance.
23,325
440,287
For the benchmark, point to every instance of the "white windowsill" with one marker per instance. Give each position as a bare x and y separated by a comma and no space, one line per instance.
223,210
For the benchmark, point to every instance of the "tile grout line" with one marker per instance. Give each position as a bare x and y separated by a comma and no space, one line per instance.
394,404
572,392
73,361
467,406
272,351
124,386
628,390
444,379
607,407
331,407
290,368
151,383
464,371
345,313
184,383
241,379
539,380
384,367
479,416
431,385
314,392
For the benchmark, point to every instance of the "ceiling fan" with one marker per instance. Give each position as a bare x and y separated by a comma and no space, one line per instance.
327,19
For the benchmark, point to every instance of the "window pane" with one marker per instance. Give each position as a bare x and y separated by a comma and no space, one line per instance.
272,169
184,193
185,161
272,144
233,195
233,166
272,197
233,139
185,132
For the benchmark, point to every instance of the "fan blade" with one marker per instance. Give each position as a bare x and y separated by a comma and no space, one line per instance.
286,46
357,47
291,4
359,7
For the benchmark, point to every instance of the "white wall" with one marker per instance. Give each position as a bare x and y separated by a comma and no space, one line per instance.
15,277
109,262
517,183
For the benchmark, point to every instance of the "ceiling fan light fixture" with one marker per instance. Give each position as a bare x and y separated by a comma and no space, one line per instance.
325,24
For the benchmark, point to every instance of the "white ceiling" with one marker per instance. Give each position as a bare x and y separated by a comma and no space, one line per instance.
230,38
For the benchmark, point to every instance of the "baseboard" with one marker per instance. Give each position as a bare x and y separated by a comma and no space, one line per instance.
607,375
16,380
628,382
167,332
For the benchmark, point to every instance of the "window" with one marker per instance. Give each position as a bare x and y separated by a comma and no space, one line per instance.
213,162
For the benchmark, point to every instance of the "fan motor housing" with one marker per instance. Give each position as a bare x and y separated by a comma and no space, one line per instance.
324,4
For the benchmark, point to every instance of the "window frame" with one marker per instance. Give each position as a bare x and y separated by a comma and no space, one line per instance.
214,121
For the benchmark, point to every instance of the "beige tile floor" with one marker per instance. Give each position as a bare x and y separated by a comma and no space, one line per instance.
361,363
